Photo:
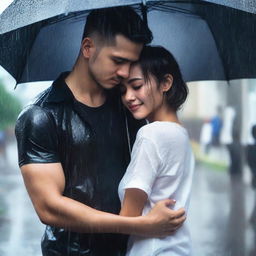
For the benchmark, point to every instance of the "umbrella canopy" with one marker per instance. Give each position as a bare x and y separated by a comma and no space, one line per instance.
246,5
210,41
26,12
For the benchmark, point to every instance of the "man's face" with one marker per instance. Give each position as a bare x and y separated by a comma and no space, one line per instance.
110,64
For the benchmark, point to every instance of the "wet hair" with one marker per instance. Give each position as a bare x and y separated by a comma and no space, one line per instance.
158,62
109,22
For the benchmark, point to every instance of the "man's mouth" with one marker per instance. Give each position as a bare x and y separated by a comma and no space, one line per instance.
117,81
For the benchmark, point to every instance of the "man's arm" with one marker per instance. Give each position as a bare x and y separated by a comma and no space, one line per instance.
45,184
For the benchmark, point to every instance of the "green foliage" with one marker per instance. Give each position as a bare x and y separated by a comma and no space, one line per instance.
10,107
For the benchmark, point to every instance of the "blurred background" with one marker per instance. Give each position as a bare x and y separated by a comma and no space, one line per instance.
219,117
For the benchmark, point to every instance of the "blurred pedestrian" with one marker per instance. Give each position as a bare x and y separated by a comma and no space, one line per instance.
251,156
2,145
206,136
216,123
230,137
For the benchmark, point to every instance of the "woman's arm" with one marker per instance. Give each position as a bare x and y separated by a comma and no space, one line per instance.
134,202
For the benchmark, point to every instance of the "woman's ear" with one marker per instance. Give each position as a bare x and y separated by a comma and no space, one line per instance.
167,82
86,47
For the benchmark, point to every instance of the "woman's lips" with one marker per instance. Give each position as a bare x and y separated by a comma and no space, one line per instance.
134,107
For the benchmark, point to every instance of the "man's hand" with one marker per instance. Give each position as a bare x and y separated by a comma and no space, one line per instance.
163,221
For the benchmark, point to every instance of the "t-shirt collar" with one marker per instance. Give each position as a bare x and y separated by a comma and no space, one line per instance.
59,90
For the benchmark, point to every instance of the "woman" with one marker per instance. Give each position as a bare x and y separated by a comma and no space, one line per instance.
162,162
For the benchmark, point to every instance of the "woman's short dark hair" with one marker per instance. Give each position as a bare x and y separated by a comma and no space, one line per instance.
109,22
157,61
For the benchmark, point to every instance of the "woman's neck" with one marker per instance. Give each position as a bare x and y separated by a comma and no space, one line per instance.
164,114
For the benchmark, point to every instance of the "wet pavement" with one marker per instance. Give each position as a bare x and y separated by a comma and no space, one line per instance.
20,229
221,213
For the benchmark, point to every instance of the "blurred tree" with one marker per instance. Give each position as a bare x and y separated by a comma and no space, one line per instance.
10,107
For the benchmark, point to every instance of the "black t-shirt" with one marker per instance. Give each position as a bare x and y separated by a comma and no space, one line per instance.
109,138
92,146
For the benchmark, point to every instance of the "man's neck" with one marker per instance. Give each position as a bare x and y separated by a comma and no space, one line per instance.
85,89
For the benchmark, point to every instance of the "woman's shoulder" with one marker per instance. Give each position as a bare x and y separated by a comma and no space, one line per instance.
162,131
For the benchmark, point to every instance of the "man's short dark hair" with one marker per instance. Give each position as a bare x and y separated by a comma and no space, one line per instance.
109,22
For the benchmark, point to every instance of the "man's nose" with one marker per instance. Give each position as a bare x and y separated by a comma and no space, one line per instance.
123,71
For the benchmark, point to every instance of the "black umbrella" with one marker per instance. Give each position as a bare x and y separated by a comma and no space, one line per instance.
210,41
246,5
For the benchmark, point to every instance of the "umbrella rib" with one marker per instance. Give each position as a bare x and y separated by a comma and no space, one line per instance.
79,14
176,9
167,7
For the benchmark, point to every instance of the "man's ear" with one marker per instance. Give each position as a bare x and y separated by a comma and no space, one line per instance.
86,47
167,83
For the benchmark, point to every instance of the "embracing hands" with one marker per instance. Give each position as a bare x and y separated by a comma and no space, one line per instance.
163,221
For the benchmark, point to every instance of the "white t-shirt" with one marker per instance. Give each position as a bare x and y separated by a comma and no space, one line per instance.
162,165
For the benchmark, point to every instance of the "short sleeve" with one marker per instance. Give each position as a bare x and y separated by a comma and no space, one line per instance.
143,169
36,136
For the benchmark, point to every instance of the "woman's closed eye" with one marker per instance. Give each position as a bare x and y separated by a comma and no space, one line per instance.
136,87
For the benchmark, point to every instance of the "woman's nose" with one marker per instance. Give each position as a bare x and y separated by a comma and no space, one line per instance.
129,95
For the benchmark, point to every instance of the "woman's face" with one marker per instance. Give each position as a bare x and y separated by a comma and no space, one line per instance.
143,99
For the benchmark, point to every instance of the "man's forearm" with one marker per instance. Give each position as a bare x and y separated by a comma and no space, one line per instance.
77,217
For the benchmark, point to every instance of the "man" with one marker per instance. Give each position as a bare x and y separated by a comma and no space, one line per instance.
73,145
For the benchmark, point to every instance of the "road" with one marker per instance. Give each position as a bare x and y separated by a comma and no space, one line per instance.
20,229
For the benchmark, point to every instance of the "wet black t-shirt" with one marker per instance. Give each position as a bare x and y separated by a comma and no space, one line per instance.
109,136
91,145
